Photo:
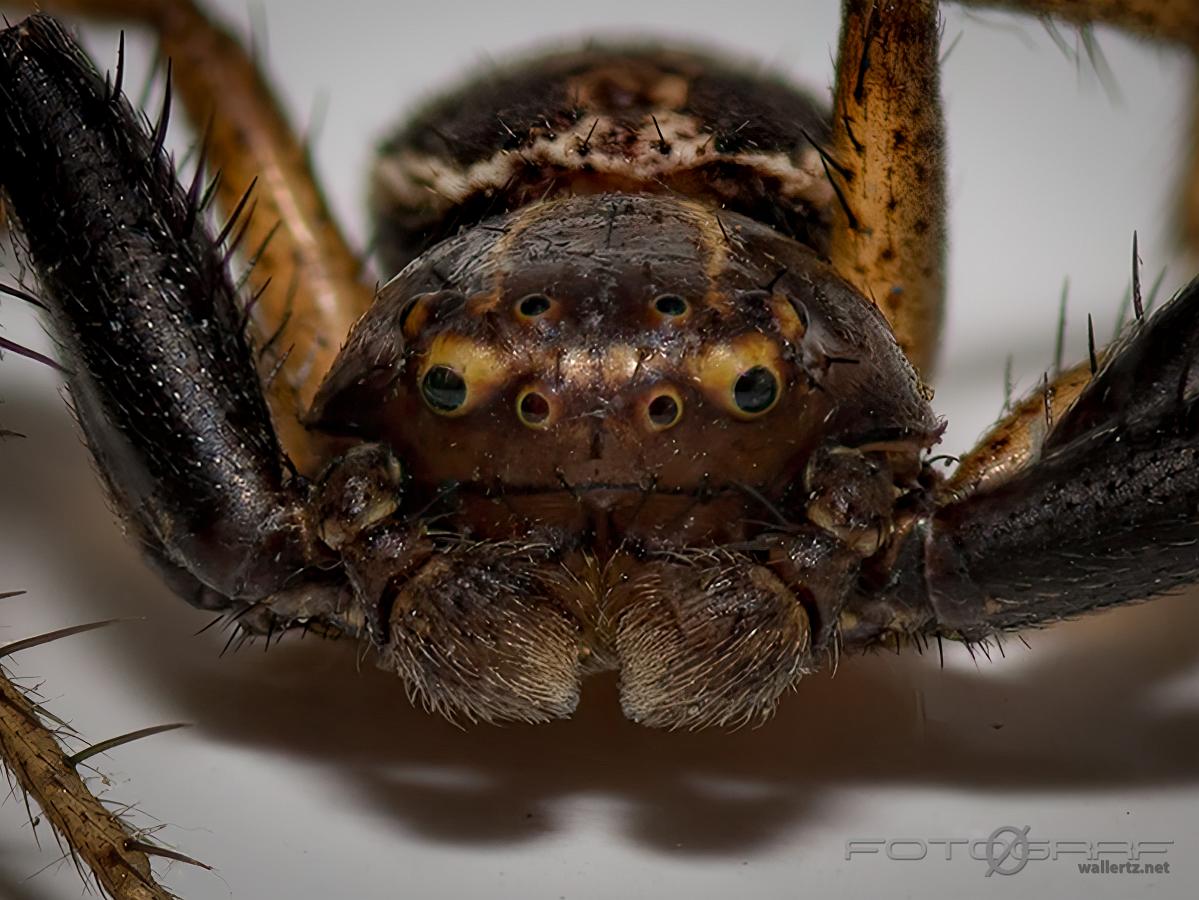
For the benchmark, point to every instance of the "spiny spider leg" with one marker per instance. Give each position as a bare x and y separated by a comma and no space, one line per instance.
162,377
1163,20
1167,21
1106,514
888,167
1015,440
971,554
314,293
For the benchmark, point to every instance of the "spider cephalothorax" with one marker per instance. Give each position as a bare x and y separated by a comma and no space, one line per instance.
605,381
647,393
615,369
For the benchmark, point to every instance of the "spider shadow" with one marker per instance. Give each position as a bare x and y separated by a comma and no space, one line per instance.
1086,711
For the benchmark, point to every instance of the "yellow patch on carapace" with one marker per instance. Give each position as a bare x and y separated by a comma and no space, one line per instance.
483,369
716,369
790,325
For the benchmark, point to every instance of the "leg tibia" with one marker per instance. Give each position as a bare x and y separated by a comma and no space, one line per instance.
888,236
149,326
314,294
1166,21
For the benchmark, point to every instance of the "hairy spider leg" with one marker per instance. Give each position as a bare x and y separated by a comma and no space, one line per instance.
1015,440
1002,551
887,165
305,279
161,375
1167,21
1104,514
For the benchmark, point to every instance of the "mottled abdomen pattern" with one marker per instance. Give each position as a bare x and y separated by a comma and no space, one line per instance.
643,120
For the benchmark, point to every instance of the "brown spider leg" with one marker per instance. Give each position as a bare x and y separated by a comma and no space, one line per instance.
43,769
1167,21
1105,515
1015,440
888,168
1163,20
314,293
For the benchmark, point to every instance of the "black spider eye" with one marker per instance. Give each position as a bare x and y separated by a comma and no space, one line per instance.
444,389
533,409
533,305
664,411
670,305
756,390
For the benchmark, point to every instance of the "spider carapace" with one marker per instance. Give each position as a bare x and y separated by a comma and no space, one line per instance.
646,393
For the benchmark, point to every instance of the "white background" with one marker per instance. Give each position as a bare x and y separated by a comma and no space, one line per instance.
305,778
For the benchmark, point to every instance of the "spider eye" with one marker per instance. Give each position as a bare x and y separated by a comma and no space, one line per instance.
664,411
533,409
443,389
670,305
533,305
755,390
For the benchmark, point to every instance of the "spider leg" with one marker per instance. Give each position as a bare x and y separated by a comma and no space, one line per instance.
1016,439
307,275
1167,21
141,304
1164,20
888,168
1105,514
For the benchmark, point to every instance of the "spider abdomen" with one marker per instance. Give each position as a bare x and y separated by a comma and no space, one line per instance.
603,120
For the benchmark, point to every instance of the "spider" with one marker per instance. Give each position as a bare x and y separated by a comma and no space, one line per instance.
779,766
647,394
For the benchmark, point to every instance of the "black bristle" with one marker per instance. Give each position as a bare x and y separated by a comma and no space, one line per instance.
210,192
112,743
870,31
119,82
1094,359
1138,304
159,137
20,350
1059,345
235,216
19,294
231,247
839,167
195,189
248,310
851,219
50,636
